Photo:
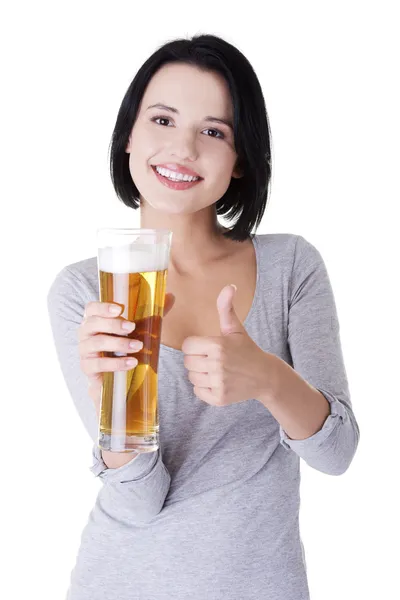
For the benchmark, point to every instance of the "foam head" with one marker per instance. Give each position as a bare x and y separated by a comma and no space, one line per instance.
133,258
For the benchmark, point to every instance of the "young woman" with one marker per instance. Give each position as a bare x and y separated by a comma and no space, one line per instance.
250,379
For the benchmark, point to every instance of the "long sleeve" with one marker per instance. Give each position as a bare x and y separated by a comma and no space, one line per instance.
315,347
137,489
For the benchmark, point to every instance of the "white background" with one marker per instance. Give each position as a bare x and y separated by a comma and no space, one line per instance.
329,73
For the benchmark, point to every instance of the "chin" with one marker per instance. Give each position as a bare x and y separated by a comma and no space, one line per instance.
174,210
172,206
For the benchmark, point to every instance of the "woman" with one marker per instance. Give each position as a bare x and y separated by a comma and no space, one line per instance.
250,380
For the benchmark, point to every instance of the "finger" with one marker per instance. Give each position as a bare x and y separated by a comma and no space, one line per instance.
94,325
201,345
199,379
103,309
93,366
108,343
199,364
205,394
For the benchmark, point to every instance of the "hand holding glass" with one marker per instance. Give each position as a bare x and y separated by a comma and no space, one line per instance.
132,269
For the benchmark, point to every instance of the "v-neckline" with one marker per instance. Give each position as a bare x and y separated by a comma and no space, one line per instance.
253,305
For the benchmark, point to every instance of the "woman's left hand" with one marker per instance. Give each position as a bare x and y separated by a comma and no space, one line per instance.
227,369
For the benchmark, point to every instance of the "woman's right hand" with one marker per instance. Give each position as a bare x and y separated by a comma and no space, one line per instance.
103,331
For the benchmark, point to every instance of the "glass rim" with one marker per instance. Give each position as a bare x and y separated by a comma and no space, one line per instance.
132,230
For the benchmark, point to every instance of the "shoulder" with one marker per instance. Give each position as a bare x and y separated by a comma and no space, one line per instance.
276,241
76,280
287,241
287,247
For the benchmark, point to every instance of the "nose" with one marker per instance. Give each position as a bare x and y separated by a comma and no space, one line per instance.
184,146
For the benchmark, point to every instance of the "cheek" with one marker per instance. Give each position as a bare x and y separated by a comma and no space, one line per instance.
220,166
143,148
153,136
143,137
220,156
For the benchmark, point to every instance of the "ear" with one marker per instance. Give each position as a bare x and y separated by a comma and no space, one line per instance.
237,171
237,174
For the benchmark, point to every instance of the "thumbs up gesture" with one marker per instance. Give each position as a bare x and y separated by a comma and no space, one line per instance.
226,369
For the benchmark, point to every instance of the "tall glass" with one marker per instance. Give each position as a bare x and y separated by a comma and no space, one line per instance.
132,269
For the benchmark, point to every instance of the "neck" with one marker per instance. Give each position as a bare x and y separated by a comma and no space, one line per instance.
197,239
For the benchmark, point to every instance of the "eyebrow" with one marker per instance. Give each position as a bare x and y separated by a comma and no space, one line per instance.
208,118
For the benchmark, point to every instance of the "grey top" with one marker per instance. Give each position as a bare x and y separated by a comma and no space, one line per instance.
213,514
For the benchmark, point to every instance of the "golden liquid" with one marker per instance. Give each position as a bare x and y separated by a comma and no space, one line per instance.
129,405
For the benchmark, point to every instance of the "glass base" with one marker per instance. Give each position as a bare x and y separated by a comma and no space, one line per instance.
127,443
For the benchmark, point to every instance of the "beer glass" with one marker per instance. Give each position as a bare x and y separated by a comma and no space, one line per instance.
132,270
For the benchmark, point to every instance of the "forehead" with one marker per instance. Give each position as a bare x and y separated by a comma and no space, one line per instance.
187,87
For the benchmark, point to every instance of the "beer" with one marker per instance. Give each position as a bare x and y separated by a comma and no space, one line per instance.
134,276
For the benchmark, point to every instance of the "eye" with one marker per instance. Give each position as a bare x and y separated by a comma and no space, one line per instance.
219,135
155,119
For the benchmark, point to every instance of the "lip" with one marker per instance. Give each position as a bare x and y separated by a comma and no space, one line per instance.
178,169
175,185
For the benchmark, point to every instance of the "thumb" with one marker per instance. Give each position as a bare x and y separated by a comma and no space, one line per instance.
228,320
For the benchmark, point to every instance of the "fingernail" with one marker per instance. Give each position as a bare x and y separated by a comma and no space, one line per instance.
128,326
131,362
114,310
234,286
137,344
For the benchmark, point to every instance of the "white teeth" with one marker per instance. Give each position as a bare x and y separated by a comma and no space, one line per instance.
175,176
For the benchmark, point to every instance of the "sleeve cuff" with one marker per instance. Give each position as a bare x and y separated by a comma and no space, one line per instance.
98,464
140,465
315,442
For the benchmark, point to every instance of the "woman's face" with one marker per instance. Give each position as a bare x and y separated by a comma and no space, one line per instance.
183,137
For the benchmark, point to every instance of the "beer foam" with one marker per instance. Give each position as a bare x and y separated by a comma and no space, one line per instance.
133,258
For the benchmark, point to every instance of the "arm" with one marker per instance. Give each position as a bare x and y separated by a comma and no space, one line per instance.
299,408
139,487
311,401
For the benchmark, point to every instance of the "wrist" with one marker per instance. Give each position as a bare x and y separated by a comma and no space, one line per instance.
269,375
114,460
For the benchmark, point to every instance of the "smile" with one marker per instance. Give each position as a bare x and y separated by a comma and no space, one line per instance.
174,176
175,181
